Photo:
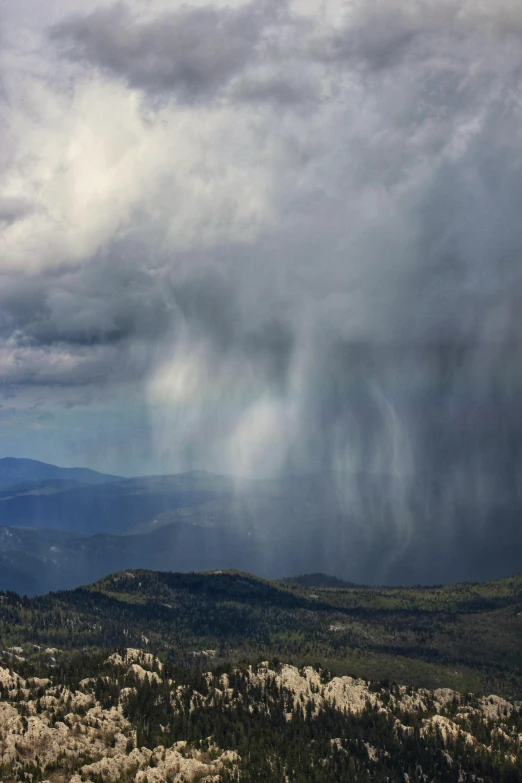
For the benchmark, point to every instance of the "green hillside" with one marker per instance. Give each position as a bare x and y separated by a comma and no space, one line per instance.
465,636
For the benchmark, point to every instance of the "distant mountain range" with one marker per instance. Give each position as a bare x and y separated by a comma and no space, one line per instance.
61,527
59,533
318,580
15,472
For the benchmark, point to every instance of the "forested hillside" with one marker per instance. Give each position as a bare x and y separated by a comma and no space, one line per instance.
155,677
128,716
463,636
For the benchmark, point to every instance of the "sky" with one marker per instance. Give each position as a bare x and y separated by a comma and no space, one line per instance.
262,237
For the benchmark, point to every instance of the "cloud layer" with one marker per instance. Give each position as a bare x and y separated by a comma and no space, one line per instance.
287,234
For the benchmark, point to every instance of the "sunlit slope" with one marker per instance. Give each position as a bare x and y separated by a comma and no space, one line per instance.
462,636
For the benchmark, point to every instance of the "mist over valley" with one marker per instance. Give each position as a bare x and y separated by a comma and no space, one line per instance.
58,533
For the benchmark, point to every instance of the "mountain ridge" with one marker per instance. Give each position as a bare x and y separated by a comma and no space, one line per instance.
19,470
462,636
354,527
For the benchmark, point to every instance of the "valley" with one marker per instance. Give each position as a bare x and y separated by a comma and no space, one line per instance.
60,532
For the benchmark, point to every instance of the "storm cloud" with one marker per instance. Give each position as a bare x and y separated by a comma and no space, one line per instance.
286,234
192,52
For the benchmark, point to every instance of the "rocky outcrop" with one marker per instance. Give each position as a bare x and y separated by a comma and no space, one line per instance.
71,735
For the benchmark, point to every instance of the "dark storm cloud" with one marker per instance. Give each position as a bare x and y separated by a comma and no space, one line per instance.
453,279
106,321
280,90
380,40
334,286
443,36
12,209
82,326
192,52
